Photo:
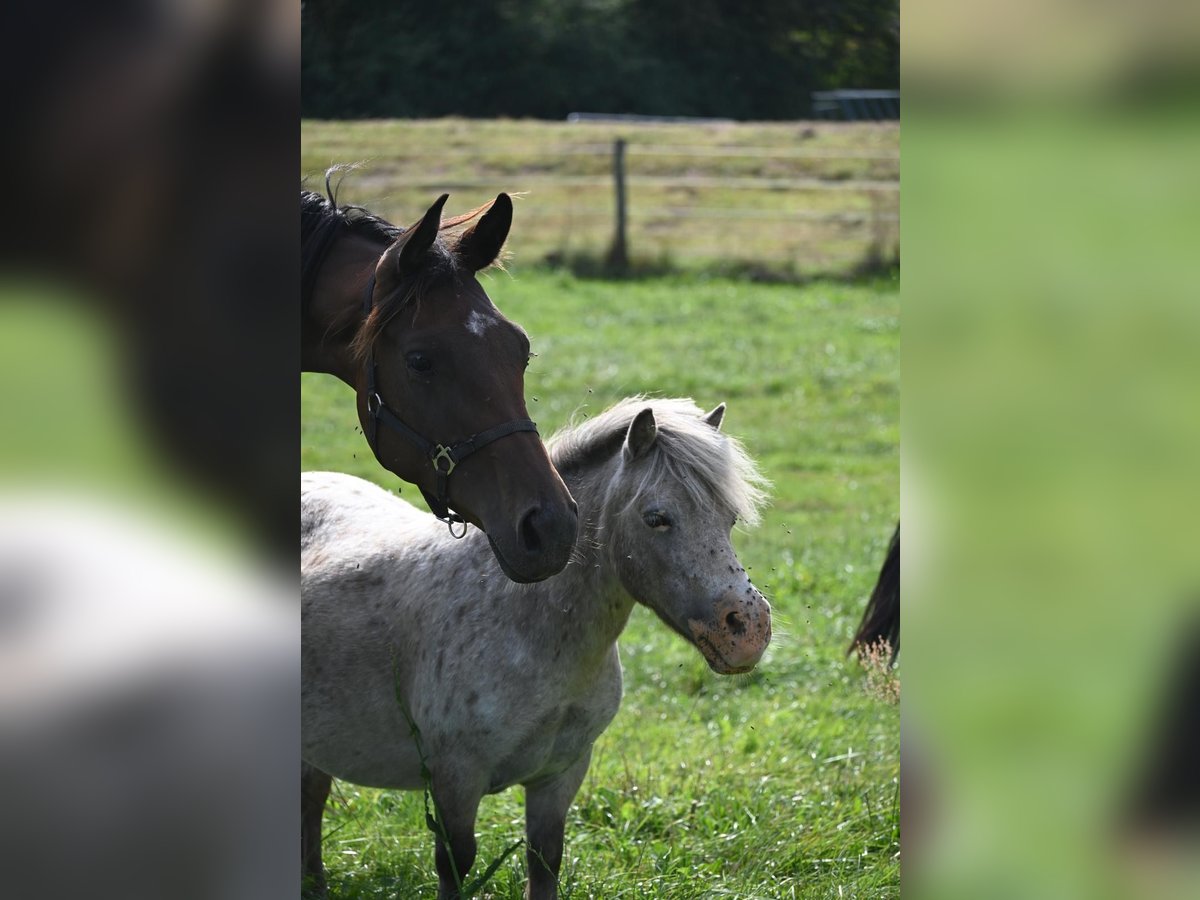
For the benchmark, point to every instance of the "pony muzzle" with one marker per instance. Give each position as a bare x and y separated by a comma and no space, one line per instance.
736,637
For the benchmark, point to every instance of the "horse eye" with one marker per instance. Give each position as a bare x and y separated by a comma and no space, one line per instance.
656,518
420,363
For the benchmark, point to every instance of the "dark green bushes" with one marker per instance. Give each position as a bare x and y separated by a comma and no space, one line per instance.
547,58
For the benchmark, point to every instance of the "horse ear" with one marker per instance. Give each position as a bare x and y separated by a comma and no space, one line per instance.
479,246
641,434
408,252
714,418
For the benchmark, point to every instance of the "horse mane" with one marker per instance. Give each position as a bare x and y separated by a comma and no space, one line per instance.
707,462
323,222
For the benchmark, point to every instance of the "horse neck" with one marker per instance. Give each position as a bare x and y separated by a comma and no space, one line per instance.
585,608
335,309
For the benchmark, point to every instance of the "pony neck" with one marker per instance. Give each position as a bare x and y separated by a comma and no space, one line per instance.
586,607
335,310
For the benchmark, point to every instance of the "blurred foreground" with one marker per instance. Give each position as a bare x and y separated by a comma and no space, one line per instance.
148,640
147,697
1050,442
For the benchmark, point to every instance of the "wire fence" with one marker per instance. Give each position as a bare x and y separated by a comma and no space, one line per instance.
782,206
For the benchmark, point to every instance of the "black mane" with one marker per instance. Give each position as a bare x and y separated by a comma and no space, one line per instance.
323,222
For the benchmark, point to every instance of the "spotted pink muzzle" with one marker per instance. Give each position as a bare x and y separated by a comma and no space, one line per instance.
737,635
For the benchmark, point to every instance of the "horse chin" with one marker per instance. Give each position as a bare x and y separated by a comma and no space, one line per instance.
721,667
508,570
717,662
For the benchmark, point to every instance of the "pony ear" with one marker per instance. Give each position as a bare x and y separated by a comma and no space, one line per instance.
714,418
641,434
479,246
408,252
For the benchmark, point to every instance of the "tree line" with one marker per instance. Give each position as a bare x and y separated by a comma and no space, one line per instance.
741,59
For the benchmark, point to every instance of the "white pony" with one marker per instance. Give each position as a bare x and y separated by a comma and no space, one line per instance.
505,684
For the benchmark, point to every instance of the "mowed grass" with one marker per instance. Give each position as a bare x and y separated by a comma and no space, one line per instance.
793,198
782,783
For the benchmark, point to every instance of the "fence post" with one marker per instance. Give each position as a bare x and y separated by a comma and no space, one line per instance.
618,254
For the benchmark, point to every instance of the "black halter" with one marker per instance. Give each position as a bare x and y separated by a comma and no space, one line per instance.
444,458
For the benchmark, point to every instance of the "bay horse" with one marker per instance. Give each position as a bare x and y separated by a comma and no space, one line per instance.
398,314
410,636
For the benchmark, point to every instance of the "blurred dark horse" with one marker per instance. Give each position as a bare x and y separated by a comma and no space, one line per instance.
151,152
881,619
398,314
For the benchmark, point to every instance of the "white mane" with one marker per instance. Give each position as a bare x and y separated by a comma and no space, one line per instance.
711,465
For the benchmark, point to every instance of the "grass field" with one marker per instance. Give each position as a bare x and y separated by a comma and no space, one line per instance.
783,783
783,199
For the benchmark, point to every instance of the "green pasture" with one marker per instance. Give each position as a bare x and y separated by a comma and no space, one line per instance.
778,784
783,199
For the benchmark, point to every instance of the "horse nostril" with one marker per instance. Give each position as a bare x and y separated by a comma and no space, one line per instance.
735,623
531,541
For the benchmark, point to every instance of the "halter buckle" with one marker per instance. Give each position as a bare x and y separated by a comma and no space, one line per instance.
442,452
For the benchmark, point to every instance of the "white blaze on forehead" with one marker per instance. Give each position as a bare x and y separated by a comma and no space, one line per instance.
479,322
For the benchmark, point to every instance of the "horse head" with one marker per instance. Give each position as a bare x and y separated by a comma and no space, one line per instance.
671,537
441,394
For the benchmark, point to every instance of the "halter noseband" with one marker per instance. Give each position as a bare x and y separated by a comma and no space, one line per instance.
444,458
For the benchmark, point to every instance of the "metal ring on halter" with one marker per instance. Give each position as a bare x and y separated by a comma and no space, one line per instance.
458,536
442,452
374,403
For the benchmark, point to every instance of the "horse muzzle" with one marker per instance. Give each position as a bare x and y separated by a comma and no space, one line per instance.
539,545
734,639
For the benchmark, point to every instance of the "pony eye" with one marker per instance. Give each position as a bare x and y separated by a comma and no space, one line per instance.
656,518
420,363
